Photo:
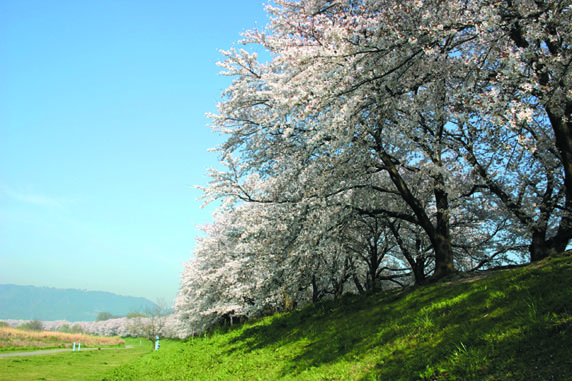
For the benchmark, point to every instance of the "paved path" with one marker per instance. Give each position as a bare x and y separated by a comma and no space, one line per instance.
48,351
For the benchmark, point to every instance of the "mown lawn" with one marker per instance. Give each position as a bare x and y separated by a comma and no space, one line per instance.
514,324
83,365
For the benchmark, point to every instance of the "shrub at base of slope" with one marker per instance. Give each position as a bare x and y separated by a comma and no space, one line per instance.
510,324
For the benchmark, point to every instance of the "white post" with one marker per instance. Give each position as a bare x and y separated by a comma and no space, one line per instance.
73,347
79,347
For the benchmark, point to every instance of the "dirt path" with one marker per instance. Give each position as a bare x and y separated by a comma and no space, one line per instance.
49,351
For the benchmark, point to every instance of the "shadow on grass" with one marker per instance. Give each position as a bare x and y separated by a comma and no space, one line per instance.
497,326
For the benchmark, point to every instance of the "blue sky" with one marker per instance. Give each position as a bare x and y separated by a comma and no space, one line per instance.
103,135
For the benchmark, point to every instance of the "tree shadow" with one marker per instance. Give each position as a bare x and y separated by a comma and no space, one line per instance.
421,330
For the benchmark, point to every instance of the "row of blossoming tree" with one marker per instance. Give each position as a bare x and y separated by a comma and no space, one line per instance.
385,141
147,327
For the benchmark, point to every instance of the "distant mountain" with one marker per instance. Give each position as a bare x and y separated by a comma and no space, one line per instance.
46,303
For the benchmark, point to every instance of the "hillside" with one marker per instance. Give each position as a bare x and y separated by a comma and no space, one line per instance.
45,303
511,324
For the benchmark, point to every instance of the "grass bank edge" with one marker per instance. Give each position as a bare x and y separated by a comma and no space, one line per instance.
504,324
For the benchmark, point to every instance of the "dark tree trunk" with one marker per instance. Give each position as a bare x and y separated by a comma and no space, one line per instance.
444,264
561,125
560,115
418,268
441,241
338,290
315,291
439,235
373,284
541,248
358,285
417,265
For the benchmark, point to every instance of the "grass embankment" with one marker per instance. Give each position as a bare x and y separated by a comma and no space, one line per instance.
514,324
83,365
19,340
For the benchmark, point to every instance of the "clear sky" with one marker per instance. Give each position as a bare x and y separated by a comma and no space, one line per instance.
103,135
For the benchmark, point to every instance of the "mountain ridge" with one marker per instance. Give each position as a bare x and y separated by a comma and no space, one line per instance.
49,303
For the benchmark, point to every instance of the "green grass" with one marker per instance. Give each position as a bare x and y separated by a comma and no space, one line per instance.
516,324
513,325
56,345
83,365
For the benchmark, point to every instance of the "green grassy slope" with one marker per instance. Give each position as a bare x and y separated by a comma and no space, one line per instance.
514,324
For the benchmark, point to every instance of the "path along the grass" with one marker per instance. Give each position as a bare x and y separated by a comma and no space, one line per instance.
49,351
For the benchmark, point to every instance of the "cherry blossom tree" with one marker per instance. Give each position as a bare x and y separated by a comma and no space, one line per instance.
384,140
389,81
284,116
517,134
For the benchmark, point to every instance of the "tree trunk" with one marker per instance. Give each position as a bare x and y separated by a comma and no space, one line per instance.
444,264
417,265
315,292
540,248
439,235
562,128
338,290
559,111
418,270
441,241
373,283
358,285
